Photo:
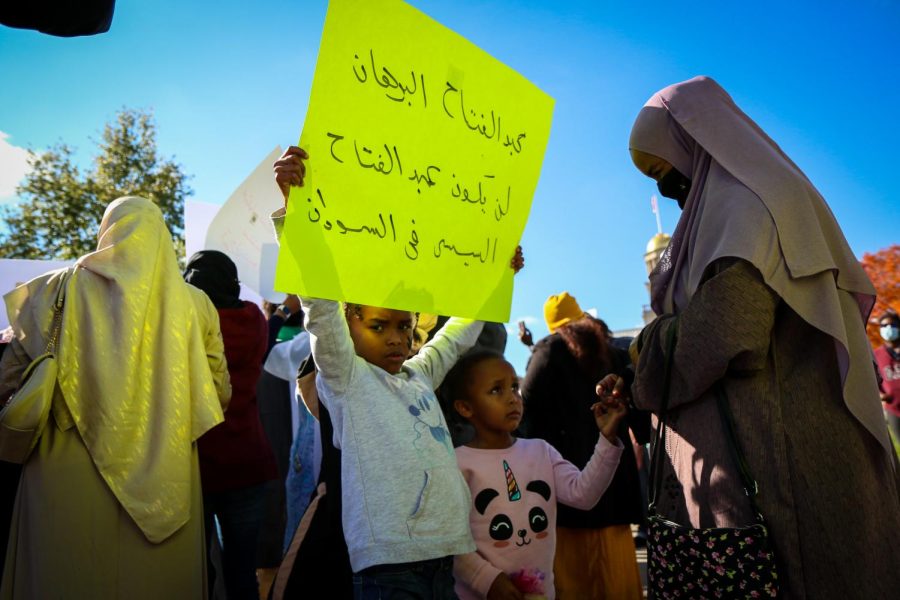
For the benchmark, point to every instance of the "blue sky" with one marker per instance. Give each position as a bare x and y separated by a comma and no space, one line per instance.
230,80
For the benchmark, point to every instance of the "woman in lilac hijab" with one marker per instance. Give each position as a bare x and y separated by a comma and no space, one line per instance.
770,302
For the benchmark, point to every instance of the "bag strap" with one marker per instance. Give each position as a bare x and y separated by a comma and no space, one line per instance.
53,339
751,488
660,439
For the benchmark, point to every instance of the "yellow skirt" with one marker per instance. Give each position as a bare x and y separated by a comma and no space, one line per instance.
596,564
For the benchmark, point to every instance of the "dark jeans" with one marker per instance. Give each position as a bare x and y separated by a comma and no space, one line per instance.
425,580
240,514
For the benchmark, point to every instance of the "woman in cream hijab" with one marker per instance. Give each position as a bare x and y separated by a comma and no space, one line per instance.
769,301
109,502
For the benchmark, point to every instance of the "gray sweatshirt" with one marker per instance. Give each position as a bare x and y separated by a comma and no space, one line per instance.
404,498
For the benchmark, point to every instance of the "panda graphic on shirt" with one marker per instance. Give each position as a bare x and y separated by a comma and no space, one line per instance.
518,518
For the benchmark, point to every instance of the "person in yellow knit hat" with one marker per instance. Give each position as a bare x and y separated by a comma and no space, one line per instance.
562,309
595,552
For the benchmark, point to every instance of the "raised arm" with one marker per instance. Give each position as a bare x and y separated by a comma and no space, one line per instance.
726,327
330,340
439,355
583,489
332,347
289,170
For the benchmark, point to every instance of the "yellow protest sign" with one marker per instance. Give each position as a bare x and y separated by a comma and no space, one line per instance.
424,156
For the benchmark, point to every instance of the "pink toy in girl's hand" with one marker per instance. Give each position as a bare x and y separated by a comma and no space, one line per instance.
530,582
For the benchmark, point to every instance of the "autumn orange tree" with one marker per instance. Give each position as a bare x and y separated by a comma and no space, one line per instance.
883,268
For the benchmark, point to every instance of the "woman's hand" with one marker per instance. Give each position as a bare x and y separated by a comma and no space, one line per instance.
518,260
525,335
290,170
611,408
613,386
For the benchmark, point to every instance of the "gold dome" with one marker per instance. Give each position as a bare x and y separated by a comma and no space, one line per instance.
658,242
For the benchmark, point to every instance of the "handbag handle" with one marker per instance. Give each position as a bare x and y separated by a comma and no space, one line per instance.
751,488
53,339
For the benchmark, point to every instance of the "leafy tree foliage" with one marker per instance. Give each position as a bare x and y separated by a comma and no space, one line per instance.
883,268
61,206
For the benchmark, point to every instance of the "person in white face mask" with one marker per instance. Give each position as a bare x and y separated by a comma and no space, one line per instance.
888,359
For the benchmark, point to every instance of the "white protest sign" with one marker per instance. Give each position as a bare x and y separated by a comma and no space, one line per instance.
243,230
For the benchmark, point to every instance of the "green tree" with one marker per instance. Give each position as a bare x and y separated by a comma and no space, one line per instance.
61,206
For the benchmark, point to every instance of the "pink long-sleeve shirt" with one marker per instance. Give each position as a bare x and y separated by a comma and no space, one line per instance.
513,513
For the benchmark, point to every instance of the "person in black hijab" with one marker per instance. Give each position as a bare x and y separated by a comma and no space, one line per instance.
236,458
214,273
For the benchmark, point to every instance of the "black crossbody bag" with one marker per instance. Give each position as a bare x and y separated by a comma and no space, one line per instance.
718,562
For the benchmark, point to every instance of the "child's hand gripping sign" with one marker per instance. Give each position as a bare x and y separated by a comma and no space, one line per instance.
427,154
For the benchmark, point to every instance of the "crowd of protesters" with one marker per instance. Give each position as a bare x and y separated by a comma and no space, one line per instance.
197,446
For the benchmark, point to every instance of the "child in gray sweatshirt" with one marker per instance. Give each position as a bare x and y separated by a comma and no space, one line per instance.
405,503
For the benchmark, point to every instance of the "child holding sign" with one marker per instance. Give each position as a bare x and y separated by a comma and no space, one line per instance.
405,503
516,483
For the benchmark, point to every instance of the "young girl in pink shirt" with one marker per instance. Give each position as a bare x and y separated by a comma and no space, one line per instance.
516,483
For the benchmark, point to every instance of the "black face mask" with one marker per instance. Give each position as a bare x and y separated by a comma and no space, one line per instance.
674,185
